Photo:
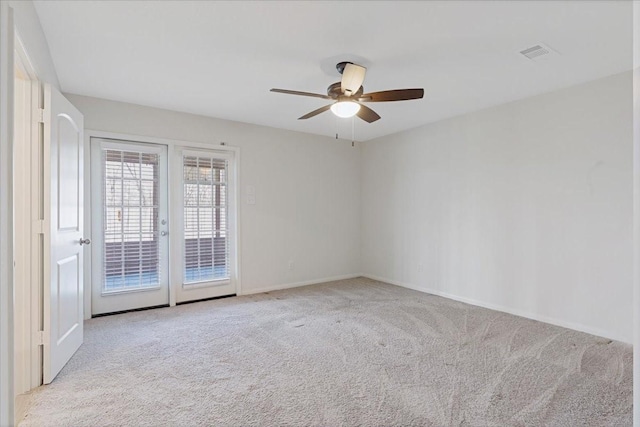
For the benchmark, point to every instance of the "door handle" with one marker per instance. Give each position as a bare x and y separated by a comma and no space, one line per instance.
84,241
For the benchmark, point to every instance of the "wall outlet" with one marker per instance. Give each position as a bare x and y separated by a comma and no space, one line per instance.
291,265
251,199
420,267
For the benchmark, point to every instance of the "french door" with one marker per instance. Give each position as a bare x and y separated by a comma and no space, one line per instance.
141,260
129,226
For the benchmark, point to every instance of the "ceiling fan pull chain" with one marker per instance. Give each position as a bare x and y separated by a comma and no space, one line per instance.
353,131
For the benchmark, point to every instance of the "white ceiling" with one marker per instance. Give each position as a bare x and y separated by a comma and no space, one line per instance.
220,59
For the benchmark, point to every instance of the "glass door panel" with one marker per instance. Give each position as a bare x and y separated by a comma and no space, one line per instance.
129,229
203,210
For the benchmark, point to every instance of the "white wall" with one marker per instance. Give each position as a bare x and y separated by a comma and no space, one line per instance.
526,207
30,32
6,255
636,212
307,190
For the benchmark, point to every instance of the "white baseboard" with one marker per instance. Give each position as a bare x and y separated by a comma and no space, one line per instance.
516,312
299,284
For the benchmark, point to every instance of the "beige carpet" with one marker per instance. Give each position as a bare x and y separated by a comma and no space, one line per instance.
349,353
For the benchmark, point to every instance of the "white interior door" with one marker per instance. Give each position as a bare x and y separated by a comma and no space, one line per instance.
130,247
63,302
204,212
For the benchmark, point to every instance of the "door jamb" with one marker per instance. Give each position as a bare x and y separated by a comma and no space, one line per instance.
28,320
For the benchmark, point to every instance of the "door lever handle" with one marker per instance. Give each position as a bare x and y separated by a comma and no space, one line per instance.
85,241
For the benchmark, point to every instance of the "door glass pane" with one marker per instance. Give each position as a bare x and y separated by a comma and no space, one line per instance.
206,247
130,209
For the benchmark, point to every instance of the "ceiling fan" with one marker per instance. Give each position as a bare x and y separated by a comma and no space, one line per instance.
348,95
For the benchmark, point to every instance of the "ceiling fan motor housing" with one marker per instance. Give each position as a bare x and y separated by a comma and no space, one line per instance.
335,91
340,66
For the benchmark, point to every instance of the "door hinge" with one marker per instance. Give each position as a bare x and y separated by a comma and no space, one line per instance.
40,115
40,338
39,226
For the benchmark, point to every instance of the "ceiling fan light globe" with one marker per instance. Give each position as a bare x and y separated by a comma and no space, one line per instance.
345,109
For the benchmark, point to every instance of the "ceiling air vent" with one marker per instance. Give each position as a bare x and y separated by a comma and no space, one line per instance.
538,51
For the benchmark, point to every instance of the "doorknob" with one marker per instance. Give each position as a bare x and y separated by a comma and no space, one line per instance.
84,241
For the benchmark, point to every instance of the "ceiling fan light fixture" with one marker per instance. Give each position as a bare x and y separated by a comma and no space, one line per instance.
345,109
349,98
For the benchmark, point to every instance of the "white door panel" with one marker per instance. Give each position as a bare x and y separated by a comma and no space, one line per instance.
130,223
204,214
63,302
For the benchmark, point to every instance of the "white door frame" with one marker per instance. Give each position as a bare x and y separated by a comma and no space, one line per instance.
20,307
172,145
28,187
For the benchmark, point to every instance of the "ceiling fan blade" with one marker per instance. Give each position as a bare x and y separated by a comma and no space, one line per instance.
352,78
392,95
315,112
295,92
367,114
